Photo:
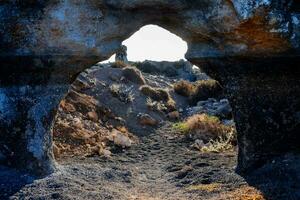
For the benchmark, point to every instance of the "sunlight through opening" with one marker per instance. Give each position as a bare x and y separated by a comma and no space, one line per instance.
154,43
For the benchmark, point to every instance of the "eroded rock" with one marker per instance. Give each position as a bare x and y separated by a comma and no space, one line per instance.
43,49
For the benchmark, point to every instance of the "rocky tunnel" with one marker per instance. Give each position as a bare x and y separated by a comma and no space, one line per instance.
251,47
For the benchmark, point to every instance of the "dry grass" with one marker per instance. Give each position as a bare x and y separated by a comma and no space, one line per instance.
134,75
211,134
158,99
122,92
202,123
199,90
242,193
171,104
156,94
184,88
155,105
205,187
221,144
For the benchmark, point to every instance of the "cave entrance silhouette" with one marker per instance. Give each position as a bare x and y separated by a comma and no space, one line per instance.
158,46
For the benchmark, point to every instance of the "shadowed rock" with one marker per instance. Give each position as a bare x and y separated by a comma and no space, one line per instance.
43,48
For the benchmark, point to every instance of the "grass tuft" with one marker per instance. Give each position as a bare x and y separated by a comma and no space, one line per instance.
199,90
221,144
209,133
158,97
205,187
202,123
134,75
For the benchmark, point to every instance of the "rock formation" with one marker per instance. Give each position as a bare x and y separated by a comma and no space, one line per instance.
251,47
121,54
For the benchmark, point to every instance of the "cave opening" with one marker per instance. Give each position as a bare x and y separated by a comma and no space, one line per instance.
145,85
113,108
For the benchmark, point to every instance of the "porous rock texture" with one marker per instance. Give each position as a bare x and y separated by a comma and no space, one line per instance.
45,44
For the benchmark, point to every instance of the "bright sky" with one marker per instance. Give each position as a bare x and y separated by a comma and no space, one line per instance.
152,42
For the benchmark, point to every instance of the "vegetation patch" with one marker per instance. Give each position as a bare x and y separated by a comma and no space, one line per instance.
209,133
199,90
122,92
184,88
158,98
156,94
221,144
134,75
205,187
242,193
202,123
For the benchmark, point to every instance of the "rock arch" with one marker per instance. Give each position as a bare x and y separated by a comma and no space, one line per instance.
252,47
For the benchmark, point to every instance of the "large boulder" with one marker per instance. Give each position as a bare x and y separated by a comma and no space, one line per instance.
45,44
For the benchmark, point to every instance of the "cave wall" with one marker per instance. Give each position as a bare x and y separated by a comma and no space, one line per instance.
46,43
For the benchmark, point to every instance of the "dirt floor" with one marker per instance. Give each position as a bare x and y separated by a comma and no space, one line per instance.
161,166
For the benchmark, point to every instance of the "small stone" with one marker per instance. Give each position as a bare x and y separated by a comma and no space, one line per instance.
93,116
120,139
224,101
147,120
174,115
104,152
199,144
77,123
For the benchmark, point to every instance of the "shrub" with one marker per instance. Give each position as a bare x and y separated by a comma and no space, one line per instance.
122,92
199,90
119,64
203,127
171,104
181,127
221,144
156,94
205,89
134,75
162,99
184,88
201,123
155,105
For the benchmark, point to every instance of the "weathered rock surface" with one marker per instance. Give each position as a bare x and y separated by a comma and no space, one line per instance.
181,69
265,98
45,44
213,107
